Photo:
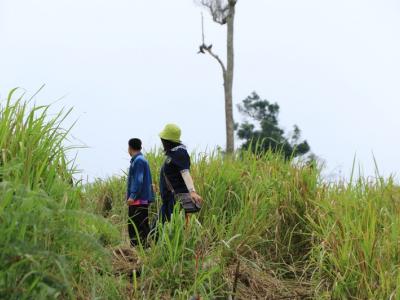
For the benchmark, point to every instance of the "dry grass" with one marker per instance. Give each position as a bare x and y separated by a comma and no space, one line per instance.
125,261
255,283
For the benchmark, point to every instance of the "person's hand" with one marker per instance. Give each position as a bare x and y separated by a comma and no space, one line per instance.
130,201
196,197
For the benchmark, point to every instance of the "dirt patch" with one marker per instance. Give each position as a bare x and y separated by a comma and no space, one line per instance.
254,283
125,261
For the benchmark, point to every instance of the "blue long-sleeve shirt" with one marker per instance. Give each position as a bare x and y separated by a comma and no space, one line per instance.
139,185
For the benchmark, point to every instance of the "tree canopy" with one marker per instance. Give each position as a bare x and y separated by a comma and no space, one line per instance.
263,132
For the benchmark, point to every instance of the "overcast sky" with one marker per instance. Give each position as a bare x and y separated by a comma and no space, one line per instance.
128,67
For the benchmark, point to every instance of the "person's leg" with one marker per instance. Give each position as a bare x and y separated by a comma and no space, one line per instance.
162,216
163,212
131,225
141,220
167,208
170,208
138,220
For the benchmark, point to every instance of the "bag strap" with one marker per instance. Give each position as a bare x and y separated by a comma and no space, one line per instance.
169,185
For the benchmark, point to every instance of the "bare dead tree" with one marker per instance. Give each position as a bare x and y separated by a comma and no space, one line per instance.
223,12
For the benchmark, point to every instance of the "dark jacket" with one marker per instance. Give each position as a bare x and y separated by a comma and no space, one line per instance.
139,180
177,160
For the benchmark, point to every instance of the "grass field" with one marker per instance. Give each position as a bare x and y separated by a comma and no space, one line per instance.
269,228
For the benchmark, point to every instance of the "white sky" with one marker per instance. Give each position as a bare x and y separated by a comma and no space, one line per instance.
128,67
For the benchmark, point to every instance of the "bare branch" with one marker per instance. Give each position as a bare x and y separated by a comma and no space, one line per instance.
218,59
202,29
219,9
203,48
208,49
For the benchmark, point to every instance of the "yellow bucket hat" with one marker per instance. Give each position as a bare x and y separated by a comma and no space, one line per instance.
171,132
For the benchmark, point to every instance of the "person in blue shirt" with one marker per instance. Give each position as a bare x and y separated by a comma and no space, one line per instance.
139,194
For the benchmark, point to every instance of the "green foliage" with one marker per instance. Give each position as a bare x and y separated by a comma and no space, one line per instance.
273,215
49,248
268,136
32,153
250,209
356,249
179,264
107,196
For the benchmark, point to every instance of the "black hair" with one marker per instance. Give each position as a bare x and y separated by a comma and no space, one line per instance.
135,144
168,145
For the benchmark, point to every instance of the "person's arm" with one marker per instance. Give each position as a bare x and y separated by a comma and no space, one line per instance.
182,161
187,178
137,182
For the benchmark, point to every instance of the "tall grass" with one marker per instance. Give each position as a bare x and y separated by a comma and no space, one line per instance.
254,212
49,247
358,251
282,223
269,227
32,153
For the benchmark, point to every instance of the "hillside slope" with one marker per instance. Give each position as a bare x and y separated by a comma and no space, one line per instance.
269,228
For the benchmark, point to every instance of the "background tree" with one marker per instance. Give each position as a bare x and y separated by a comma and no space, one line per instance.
267,135
223,12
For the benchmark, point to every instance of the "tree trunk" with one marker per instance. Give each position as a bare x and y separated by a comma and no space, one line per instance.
228,80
